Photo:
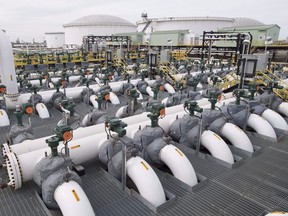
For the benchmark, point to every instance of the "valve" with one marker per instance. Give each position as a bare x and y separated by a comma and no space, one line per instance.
116,125
156,88
62,133
192,106
273,85
2,88
34,89
238,93
102,96
213,96
252,88
214,79
194,82
26,108
156,110
132,93
143,74
107,77
127,77
68,105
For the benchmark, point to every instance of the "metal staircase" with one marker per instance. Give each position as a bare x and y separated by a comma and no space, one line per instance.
268,76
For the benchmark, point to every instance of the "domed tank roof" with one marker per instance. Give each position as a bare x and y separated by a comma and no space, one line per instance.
241,21
99,20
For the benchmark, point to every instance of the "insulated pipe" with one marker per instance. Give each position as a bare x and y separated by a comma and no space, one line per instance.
283,108
75,92
42,110
72,200
169,88
177,163
237,137
261,126
84,150
216,146
32,145
146,180
4,119
276,120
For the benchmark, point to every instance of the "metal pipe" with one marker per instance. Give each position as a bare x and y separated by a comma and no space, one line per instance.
72,200
216,146
261,126
276,120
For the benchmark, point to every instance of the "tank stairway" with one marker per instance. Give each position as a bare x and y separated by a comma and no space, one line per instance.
169,71
268,76
180,55
229,82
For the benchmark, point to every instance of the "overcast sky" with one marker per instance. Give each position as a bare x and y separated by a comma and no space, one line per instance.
28,19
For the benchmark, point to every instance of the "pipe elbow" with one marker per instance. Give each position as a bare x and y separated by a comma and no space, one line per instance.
146,180
276,120
237,137
72,200
261,126
179,164
216,146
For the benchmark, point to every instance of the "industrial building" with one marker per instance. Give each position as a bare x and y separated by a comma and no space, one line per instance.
55,39
100,25
259,32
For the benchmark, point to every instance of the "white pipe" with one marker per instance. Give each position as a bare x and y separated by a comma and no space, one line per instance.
276,120
32,145
72,200
120,111
146,181
177,162
92,99
75,92
4,119
83,150
140,95
216,146
283,108
7,67
237,137
277,213
149,91
261,126
169,88
42,110
114,99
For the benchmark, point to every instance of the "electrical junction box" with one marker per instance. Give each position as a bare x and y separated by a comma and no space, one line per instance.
262,61
120,54
165,56
247,66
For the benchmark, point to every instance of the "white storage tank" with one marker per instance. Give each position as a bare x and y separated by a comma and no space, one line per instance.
196,24
55,39
98,25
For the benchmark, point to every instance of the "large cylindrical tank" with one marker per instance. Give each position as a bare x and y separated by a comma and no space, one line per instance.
98,25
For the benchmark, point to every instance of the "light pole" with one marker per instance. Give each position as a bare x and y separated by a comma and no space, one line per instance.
268,41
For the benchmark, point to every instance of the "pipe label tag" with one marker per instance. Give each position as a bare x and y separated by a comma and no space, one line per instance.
144,165
179,152
74,147
76,196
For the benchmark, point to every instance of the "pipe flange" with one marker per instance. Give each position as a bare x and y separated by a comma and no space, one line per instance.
5,149
14,171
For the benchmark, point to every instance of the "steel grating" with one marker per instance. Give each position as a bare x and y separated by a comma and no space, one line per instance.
21,202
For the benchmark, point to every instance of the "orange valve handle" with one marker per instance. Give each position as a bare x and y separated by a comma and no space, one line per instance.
29,110
161,88
67,136
162,112
107,97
